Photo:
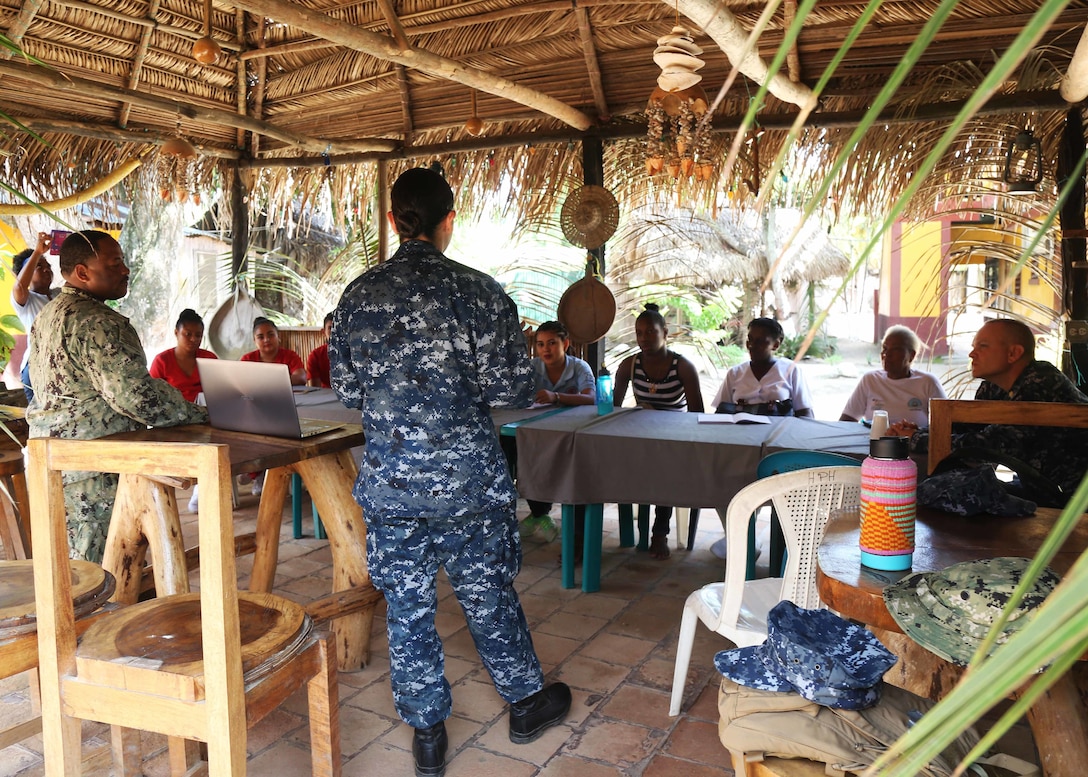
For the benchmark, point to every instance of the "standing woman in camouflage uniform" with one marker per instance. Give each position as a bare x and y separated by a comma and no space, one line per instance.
424,347
90,379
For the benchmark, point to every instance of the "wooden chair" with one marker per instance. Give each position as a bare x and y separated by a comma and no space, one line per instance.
91,587
736,608
198,667
944,412
14,506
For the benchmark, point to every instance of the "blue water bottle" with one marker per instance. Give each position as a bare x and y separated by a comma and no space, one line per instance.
604,392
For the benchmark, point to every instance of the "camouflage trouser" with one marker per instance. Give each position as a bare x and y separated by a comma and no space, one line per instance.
88,504
482,556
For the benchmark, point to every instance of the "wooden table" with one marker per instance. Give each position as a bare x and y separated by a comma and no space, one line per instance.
145,519
1059,720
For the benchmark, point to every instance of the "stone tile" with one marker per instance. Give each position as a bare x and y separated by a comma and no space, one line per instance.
598,605
477,700
618,649
283,758
379,759
458,730
360,728
571,625
537,608
696,740
706,705
476,762
637,624
635,704
553,650
450,623
273,727
616,743
592,675
461,645
663,766
655,673
568,766
539,752
582,705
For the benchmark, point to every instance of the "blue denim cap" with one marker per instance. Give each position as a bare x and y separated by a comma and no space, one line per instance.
949,612
816,653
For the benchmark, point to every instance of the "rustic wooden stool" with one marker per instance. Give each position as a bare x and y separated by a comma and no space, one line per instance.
14,506
194,667
91,587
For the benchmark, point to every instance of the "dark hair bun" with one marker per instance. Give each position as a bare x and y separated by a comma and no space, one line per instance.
652,306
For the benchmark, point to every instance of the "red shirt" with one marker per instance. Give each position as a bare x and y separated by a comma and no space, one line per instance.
165,367
283,356
317,366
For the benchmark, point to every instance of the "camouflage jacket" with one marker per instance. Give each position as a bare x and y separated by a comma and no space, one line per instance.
90,378
424,347
1061,455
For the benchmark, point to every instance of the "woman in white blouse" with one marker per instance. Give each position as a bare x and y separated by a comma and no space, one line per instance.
764,385
898,388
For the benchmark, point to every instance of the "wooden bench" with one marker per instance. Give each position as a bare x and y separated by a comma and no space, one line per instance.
945,412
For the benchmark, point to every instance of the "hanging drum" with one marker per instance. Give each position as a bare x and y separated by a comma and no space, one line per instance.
587,309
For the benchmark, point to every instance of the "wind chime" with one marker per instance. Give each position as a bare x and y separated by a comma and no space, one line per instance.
677,137
175,173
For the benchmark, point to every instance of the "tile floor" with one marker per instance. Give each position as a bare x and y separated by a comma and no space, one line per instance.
615,648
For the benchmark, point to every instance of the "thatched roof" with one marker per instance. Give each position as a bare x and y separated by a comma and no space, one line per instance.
316,88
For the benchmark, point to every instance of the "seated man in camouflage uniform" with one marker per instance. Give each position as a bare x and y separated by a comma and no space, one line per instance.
424,347
90,379
1003,356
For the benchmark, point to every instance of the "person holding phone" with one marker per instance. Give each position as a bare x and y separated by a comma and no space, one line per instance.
32,289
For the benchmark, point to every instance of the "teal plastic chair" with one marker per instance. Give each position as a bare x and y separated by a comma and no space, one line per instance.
296,510
777,463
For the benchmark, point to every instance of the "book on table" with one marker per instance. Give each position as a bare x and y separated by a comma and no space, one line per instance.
733,418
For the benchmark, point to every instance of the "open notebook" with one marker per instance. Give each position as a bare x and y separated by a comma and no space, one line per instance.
254,397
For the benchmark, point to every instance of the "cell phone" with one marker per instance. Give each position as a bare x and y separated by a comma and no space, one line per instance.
59,235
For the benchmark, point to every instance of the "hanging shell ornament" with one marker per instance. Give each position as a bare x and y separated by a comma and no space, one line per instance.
677,55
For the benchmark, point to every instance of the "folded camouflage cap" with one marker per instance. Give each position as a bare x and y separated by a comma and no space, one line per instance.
949,612
815,653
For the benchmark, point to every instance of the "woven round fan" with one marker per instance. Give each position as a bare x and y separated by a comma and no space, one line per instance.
589,216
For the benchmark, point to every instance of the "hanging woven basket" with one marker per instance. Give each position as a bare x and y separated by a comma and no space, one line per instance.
589,216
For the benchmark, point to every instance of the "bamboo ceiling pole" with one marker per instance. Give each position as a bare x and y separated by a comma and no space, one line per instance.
723,27
387,49
104,184
1074,87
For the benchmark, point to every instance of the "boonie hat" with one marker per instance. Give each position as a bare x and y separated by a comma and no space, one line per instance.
816,653
949,612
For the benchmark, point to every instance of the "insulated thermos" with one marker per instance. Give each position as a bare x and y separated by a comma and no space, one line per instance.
604,392
889,481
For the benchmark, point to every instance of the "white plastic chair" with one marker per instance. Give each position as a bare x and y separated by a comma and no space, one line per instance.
737,609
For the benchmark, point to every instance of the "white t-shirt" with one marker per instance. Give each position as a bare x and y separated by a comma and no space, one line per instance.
906,399
783,381
27,313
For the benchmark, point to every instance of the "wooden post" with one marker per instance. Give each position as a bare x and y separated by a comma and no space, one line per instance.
593,175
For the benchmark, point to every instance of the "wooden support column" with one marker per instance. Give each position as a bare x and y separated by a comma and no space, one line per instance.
381,207
593,175
239,226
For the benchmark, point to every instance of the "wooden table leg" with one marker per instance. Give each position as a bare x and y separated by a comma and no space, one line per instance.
329,480
269,518
145,514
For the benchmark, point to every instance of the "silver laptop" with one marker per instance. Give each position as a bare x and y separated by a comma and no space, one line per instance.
255,397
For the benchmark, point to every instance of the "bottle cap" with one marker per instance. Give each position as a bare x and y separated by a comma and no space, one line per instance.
890,448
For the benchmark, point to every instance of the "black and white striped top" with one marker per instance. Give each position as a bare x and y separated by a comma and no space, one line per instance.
666,394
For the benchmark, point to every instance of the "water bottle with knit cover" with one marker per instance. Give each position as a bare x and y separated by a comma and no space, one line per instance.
889,481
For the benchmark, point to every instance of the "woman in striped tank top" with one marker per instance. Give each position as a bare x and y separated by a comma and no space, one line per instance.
660,379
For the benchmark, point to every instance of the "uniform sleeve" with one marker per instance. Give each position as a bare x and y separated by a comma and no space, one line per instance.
504,371
341,373
116,364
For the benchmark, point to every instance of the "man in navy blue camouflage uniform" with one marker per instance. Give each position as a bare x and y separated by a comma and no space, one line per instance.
1003,356
424,347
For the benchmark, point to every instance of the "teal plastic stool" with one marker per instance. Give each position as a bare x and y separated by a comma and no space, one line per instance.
774,464
296,510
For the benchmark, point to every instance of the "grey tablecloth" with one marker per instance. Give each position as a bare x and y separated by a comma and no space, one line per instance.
655,457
